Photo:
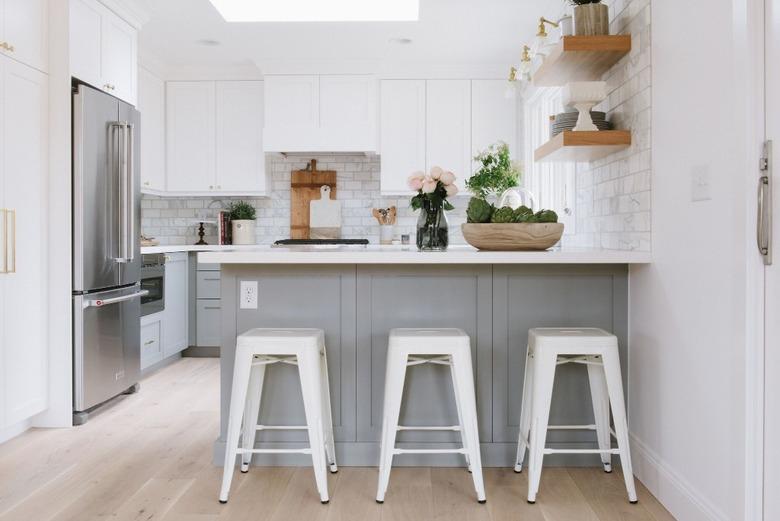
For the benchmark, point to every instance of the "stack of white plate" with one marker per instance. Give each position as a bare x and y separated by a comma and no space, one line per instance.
568,120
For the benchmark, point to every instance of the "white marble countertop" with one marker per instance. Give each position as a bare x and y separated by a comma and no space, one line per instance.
173,248
375,254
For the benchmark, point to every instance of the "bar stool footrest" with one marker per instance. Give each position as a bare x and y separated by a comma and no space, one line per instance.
422,428
430,451
306,450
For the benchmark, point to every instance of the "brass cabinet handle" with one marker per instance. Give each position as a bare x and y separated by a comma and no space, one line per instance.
8,47
9,263
4,213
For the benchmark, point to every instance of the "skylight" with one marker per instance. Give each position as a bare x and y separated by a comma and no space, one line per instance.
318,10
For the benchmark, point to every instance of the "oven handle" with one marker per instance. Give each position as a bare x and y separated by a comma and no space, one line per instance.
105,302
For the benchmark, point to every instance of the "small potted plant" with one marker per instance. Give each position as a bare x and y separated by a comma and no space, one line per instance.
591,17
242,219
432,189
498,177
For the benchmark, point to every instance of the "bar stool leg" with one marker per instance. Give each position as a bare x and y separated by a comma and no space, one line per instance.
600,397
309,371
459,407
615,389
544,375
238,393
330,444
461,366
395,376
525,412
251,413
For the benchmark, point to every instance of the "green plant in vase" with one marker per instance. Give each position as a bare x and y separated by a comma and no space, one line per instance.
432,189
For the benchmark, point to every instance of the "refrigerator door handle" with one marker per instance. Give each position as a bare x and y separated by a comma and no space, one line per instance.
115,157
129,191
115,300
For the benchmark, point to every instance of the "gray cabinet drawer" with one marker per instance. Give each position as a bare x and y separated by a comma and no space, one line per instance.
208,284
208,267
151,348
208,311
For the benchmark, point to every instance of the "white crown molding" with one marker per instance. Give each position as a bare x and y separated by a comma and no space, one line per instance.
385,69
135,12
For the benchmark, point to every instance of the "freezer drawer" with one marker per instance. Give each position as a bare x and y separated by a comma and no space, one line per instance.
107,345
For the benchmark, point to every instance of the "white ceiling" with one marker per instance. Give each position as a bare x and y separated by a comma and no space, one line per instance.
450,33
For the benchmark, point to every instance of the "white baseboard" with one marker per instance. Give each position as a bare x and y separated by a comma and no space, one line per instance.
679,497
13,431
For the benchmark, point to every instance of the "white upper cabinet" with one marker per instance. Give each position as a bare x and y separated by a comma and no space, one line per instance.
425,123
348,112
448,126
330,113
214,138
240,156
493,117
151,103
25,31
402,134
190,137
103,50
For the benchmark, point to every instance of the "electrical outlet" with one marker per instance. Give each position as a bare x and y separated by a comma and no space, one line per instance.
248,294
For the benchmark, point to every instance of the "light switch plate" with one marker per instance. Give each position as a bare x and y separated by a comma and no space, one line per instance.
248,294
701,189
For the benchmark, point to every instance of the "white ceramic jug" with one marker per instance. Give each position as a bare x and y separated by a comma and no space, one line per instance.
517,197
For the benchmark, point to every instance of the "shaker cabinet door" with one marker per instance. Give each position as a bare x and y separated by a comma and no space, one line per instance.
448,126
190,136
402,132
25,30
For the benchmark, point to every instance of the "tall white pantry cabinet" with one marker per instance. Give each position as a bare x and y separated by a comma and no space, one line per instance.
23,214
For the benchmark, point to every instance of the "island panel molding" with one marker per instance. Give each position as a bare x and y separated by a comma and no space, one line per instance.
357,305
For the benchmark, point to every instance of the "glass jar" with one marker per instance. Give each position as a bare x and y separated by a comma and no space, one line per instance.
432,228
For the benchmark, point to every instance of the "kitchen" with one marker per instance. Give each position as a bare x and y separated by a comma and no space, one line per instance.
374,132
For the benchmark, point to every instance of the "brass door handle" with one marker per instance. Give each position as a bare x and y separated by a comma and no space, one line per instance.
9,263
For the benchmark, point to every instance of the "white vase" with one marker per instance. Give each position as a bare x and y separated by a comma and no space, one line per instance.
243,231
517,197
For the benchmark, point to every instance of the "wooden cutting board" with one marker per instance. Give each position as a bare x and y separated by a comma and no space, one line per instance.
304,187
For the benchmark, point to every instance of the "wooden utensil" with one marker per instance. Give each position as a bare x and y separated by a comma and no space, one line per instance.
305,185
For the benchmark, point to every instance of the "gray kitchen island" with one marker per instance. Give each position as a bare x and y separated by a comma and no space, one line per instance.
357,294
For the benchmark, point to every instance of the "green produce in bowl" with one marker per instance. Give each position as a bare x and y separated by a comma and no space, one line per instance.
479,210
522,214
546,216
503,215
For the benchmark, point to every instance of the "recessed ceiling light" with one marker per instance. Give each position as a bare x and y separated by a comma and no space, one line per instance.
400,41
318,10
208,42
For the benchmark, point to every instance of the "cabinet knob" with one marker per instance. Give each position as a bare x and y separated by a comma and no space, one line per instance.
211,187
146,183
6,46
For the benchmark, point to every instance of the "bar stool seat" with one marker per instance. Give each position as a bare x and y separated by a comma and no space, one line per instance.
256,349
598,351
410,347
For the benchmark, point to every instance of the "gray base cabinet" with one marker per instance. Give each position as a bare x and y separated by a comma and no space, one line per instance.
358,305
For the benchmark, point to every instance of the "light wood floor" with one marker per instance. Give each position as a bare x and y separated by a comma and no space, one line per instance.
148,457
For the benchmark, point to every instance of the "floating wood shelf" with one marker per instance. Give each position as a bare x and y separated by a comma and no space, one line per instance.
582,146
581,58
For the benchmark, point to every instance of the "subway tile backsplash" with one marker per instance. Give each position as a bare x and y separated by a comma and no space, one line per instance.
173,220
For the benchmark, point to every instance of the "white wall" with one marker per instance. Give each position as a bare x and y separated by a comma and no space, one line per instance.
687,310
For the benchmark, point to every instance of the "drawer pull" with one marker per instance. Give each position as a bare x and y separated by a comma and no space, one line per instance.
213,279
149,342
211,307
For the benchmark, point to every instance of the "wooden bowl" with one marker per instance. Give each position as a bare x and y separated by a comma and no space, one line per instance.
512,237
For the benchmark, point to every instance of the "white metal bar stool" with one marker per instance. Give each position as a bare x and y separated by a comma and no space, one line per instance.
256,349
598,350
408,347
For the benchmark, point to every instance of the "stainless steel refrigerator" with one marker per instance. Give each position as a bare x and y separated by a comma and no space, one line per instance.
106,249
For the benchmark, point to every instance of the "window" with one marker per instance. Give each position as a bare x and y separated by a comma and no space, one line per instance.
552,184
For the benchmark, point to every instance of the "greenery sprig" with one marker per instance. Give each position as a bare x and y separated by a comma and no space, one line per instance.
497,173
242,211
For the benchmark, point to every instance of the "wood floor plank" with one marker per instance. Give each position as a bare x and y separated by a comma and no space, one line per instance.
454,496
606,495
153,500
507,493
354,496
409,496
559,499
652,504
301,499
255,495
